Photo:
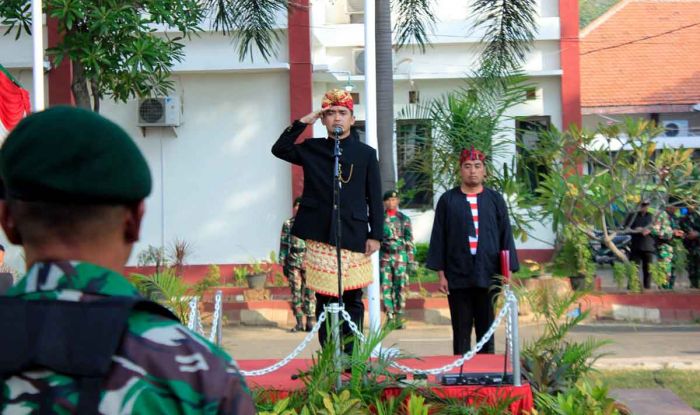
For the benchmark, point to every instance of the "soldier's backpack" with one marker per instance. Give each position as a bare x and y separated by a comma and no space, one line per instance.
76,339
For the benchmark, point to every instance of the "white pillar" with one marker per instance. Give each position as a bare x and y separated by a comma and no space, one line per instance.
38,55
370,100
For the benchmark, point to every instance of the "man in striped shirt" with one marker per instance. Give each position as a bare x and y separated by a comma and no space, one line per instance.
470,229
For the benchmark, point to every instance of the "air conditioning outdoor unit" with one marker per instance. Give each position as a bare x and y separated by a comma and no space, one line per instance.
675,128
355,10
159,112
358,61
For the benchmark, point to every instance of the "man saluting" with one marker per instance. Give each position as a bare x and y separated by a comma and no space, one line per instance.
361,212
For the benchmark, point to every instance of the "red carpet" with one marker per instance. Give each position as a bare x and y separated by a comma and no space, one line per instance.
281,380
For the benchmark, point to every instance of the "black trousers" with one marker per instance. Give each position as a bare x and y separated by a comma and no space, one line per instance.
471,308
352,300
643,260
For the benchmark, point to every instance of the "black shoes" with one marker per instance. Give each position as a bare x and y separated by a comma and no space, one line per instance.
310,322
298,327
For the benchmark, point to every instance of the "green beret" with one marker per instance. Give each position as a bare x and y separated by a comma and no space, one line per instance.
390,193
66,154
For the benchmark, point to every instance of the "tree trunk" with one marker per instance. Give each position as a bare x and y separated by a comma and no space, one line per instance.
385,94
80,87
95,96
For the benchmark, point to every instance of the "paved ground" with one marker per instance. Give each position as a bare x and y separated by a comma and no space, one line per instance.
633,345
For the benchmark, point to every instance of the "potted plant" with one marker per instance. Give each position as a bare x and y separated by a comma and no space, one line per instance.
256,275
574,259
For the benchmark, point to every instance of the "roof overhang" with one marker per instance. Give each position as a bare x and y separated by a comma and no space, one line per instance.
637,109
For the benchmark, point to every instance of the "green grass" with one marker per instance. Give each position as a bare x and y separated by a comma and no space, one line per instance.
684,383
424,275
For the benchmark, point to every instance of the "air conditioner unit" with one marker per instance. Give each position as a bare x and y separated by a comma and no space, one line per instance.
159,112
675,128
358,61
355,10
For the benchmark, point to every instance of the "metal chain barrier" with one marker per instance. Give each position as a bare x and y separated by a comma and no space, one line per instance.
216,318
507,306
510,305
193,316
194,322
292,355
509,331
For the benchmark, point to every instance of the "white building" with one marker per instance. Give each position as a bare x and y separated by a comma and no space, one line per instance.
216,184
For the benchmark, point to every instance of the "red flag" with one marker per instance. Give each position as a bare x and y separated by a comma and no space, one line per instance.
14,102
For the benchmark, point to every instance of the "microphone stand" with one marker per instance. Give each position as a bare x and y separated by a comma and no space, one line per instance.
335,317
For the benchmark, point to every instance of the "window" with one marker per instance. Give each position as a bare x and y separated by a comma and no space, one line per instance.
527,135
412,147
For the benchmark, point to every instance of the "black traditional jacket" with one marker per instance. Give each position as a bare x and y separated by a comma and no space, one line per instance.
449,241
361,211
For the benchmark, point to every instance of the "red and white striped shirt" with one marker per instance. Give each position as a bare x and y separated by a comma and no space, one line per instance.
474,240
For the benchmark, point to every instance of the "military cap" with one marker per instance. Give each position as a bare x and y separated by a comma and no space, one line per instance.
390,193
70,155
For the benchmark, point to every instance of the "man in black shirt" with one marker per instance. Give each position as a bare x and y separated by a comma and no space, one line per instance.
471,227
643,248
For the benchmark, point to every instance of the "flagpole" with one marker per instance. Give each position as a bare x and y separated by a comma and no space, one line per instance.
370,99
38,56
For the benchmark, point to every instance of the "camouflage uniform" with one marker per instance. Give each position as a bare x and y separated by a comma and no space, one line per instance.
662,231
691,222
160,367
292,260
395,256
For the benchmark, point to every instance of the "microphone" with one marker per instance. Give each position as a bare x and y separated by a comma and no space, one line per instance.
337,131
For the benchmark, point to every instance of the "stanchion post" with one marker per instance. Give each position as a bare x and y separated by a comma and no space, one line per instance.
219,321
334,309
515,361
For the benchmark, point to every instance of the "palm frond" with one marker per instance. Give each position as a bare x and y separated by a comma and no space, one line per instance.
413,19
509,28
250,22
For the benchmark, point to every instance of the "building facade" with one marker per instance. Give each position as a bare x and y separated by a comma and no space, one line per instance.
217,186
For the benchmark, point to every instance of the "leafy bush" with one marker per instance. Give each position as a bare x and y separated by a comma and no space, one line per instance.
421,256
658,274
574,258
165,288
551,363
627,272
585,398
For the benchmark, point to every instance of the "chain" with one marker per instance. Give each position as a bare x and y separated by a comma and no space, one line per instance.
468,355
510,298
353,326
292,355
507,307
192,319
215,319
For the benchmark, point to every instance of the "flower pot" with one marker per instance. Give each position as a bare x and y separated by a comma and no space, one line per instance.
256,281
578,282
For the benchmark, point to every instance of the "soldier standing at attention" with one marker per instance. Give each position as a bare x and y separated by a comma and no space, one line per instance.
291,258
82,338
396,256
690,224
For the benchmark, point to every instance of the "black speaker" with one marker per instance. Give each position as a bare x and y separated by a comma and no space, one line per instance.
471,379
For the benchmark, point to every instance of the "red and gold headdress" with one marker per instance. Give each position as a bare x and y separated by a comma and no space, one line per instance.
471,154
337,98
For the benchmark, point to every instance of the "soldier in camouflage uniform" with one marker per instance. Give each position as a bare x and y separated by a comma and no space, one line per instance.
75,185
291,258
396,256
690,224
